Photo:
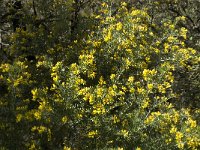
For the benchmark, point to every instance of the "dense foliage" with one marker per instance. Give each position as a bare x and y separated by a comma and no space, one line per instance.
99,74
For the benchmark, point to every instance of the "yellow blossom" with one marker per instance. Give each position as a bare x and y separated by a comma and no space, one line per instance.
108,36
118,26
37,115
112,76
101,81
191,122
166,47
99,92
145,104
173,129
32,147
132,90
131,79
66,148
149,119
115,119
168,141
92,134
124,133
179,135
19,117
34,94
5,67
56,78
64,119
150,86
171,39
183,32
180,145
161,89
92,75
41,129
91,99
138,148
42,105
140,90
98,109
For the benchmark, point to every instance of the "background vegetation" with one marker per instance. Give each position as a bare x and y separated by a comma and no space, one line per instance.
99,74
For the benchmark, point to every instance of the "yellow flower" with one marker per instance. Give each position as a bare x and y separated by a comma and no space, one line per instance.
175,117
101,81
86,96
131,79
99,92
191,122
145,104
115,119
138,148
114,86
19,117
161,89
32,147
34,128
183,32
41,129
170,106
151,33
171,26
16,83
104,4
135,12
124,4
37,115
166,47
92,134
146,74
132,90
121,93
79,116
179,135
5,67
112,76
147,59
168,141
149,120
66,148
150,86
124,133
171,39
118,26
98,109
64,119
140,90
180,145
167,84
74,69
127,63
91,99
173,129
42,105
92,75
193,142
55,79
34,94
108,37
111,91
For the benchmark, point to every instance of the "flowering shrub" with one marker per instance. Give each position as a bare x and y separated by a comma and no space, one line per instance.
119,93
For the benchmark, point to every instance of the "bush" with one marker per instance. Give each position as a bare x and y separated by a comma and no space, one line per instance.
121,92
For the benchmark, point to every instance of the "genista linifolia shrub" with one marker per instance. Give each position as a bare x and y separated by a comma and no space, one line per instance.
119,93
